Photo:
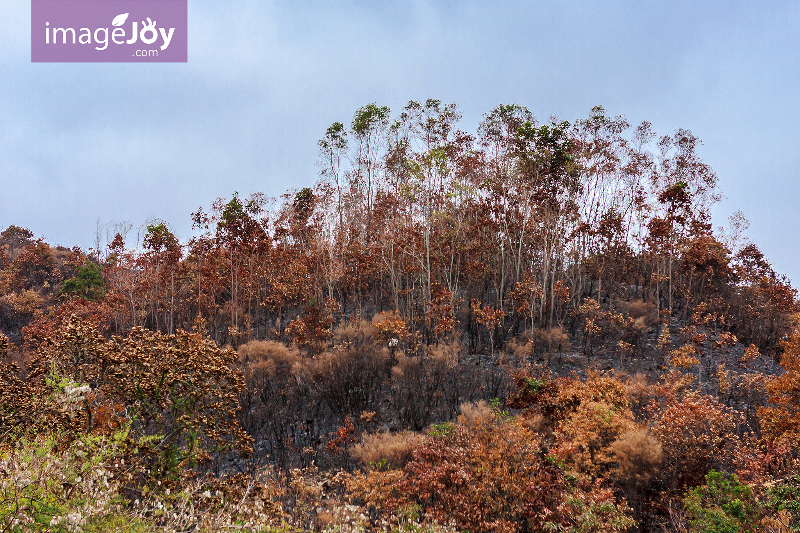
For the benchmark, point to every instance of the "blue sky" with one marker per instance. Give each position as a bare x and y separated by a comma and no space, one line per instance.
132,142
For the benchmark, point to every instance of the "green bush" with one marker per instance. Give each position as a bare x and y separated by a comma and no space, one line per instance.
785,496
722,505
87,283
45,488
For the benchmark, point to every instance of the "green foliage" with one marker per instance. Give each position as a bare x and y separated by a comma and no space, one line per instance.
532,385
441,430
335,138
369,117
722,505
495,404
178,390
234,218
546,151
159,237
50,486
303,204
88,282
381,464
233,212
555,461
74,489
785,496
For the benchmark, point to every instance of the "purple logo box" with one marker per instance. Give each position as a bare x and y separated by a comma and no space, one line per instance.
133,31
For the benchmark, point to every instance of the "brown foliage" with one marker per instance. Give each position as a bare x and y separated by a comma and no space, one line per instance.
393,450
312,330
177,388
585,439
49,326
488,475
637,454
697,435
784,418
17,404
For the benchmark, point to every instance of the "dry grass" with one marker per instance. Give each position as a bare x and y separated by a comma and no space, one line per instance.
394,449
475,412
638,455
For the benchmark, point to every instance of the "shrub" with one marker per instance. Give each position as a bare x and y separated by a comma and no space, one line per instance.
584,440
73,489
722,505
783,499
697,435
490,476
637,454
388,450
179,391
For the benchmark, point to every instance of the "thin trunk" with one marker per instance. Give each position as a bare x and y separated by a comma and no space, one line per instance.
172,303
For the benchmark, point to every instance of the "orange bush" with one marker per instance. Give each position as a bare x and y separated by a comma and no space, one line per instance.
784,418
489,475
697,435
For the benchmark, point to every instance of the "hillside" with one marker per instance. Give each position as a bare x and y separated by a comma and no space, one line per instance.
533,327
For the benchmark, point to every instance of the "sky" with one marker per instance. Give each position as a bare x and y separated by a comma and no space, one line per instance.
120,142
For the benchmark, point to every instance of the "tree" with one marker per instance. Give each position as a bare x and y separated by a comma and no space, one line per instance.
88,282
12,240
160,265
368,129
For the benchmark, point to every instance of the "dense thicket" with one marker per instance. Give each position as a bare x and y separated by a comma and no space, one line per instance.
351,322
